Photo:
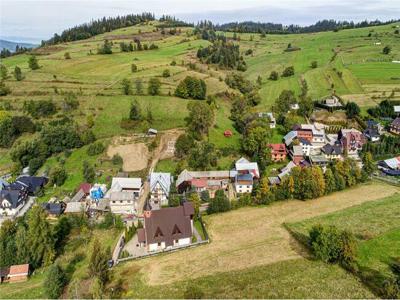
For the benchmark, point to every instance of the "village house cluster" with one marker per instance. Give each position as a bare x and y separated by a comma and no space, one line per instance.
309,145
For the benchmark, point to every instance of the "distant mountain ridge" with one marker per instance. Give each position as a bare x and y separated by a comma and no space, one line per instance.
12,45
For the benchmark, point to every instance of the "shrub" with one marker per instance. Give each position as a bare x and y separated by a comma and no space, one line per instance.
314,64
289,71
154,86
40,108
33,63
117,160
67,55
386,50
95,149
55,281
333,246
134,68
220,203
58,175
166,73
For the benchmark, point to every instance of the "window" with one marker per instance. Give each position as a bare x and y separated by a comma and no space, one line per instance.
121,201
113,201
158,233
159,244
176,230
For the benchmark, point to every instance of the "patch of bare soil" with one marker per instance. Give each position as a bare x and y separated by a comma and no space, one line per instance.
252,236
134,155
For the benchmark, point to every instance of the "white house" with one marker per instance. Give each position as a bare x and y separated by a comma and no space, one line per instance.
166,228
123,202
243,166
160,185
244,183
306,146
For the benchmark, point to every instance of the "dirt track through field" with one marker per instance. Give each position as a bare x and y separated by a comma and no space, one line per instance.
252,236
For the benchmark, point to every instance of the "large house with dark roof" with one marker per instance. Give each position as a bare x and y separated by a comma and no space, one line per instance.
11,201
166,228
31,184
332,152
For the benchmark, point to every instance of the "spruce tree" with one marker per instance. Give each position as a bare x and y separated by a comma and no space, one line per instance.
54,282
33,63
135,113
18,73
40,238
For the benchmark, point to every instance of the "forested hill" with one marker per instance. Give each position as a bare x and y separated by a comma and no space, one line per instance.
13,45
324,25
87,30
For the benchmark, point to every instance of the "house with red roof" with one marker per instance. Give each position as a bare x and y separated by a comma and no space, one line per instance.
278,152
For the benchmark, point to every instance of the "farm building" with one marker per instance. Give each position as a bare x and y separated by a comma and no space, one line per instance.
243,166
54,209
160,185
204,180
18,273
167,228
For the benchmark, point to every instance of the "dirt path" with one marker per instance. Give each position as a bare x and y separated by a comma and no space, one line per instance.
252,236
165,149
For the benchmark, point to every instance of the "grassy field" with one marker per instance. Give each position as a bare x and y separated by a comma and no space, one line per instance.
280,280
376,225
367,220
258,234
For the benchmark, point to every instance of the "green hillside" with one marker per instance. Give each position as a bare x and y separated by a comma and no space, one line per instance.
349,62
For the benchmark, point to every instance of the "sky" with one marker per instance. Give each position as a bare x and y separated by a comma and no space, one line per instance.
34,20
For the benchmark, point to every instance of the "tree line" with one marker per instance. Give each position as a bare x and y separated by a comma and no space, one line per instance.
87,30
273,28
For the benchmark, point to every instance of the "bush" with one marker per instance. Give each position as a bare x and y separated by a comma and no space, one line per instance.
58,175
95,149
40,108
289,71
67,55
314,64
274,76
33,63
154,86
117,160
55,282
333,246
220,203
166,73
387,50
134,68
4,90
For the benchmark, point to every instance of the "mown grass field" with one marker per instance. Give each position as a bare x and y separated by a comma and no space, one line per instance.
376,226
285,279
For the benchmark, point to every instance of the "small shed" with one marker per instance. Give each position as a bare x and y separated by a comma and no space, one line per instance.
152,131
228,133
18,273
